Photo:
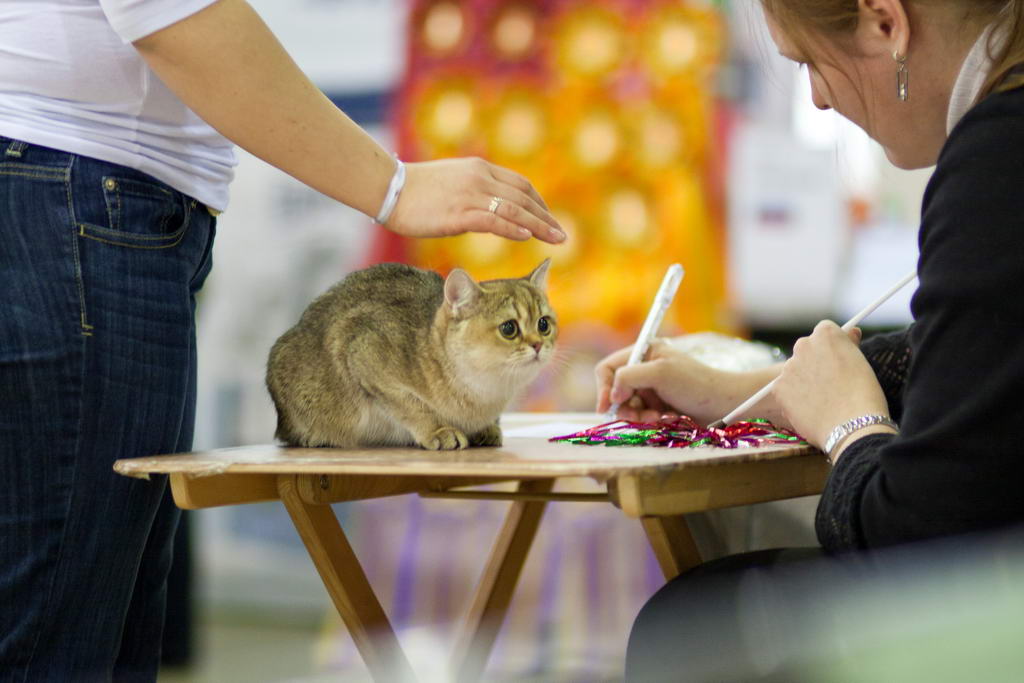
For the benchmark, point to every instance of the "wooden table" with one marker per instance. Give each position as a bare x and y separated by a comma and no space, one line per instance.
656,485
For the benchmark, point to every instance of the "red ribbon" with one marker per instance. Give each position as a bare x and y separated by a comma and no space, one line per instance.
683,432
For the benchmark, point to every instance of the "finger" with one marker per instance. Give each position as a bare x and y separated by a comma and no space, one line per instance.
639,412
855,334
830,331
642,399
604,375
639,415
798,346
525,201
491,222
604,403
658,348
649,416
630,378
517,181
651,399
606,367
636,414
833,333
525,212
630,406
629,414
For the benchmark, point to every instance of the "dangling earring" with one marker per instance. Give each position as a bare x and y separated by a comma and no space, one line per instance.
902,77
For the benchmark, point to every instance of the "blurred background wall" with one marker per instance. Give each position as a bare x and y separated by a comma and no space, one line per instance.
658,131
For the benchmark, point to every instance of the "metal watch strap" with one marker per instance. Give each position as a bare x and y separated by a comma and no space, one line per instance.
850,426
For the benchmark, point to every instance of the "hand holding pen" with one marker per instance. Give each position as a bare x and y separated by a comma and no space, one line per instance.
742,408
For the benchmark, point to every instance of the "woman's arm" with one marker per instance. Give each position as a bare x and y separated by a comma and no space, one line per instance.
889,356
672,381
228,67
955,466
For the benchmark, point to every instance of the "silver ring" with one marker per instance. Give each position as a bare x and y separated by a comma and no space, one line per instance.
495,203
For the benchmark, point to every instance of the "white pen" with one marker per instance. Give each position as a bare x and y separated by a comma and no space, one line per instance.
662,300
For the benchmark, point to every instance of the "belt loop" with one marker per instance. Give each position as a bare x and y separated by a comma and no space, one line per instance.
15,149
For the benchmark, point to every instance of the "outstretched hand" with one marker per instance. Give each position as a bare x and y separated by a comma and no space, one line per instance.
454,196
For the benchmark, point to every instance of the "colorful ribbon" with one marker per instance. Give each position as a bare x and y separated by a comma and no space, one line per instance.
683,432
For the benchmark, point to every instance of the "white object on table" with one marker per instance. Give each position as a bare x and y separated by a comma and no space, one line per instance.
662,300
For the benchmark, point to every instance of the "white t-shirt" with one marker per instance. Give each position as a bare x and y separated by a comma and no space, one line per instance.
70,79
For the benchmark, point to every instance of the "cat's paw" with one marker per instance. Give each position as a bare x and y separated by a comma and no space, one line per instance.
488,436
445,439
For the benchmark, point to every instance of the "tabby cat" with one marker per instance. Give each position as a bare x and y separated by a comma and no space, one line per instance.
397,356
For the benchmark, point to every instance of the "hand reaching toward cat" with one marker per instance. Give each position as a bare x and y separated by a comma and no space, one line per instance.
453,196
243,83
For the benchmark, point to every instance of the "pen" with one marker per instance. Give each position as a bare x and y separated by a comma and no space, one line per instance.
662,300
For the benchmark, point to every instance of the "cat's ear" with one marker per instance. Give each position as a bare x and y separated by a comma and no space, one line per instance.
539,277
460,290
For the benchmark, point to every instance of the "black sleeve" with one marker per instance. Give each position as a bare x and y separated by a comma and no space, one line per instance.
956,464
889,356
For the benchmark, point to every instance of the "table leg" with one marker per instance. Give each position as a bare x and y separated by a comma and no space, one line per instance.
347,585
494,592
672,543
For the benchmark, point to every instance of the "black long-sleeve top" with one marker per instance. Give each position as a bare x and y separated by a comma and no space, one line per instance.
955,378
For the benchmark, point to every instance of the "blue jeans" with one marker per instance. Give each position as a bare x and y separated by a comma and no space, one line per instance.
99,269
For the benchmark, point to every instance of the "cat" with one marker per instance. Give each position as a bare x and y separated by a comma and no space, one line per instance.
397,356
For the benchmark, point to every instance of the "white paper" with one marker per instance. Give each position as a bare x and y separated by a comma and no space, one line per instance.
547,430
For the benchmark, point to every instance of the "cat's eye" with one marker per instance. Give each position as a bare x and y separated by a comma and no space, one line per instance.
509,329
544,325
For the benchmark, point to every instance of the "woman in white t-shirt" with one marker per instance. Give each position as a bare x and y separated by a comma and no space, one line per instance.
117,124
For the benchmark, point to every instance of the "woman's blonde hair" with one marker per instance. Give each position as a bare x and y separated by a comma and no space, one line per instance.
801,19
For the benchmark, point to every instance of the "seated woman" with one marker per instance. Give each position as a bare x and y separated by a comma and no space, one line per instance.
934,82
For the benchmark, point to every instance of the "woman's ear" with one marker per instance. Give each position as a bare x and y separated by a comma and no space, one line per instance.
883,26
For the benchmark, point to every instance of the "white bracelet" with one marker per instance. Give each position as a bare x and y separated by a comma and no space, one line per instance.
394,189
850,426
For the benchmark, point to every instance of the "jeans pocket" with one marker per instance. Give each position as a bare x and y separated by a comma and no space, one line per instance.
139,215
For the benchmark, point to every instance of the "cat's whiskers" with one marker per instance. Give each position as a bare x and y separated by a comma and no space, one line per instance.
558,366
563,356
